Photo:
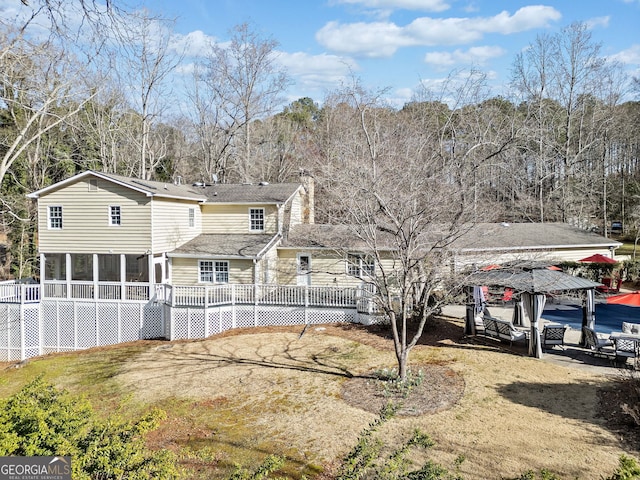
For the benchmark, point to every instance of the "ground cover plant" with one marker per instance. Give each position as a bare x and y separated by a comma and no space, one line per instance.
236,399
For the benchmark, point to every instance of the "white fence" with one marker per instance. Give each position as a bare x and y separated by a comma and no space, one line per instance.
30,326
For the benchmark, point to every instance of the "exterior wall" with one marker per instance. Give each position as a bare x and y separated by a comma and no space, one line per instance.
328,268
185,271
85,220
171,223
267,267
296,209
235,218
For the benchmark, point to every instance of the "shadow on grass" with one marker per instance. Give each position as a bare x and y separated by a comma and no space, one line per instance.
329,360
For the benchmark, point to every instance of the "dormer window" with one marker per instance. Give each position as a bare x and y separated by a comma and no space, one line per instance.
256,219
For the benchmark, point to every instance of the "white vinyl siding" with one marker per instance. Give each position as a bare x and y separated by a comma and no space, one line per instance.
55,217
86,225
235,218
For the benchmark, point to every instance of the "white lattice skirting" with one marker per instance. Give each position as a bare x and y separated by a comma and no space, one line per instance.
55,325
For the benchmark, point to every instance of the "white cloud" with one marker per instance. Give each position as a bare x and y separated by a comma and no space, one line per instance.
424,5
382,39
194,44
474,55
630,56
598,22
316,71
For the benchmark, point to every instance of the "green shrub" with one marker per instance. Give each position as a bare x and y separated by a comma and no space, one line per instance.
41,420
366,459
628,469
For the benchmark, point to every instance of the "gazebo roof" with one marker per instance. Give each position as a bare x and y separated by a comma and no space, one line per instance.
537,280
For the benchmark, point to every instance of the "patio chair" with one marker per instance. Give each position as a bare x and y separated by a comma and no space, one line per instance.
597,345
553,335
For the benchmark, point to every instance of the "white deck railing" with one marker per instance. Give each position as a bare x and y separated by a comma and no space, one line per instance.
288,295
192,295
13,292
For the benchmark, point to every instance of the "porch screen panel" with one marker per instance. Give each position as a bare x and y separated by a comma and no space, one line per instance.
82,267
137,268
55,266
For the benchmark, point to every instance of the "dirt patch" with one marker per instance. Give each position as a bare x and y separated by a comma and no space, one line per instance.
438,388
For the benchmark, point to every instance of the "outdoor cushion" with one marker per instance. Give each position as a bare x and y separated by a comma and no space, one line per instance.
628,327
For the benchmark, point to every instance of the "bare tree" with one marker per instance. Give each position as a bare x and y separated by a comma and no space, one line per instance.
145,63
41,90
244,84
403,196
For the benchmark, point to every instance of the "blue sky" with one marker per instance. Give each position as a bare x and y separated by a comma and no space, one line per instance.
396,44
391,44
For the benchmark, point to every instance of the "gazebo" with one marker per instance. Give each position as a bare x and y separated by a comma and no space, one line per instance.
533,284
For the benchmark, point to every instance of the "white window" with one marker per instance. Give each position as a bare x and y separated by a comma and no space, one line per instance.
213,272
206,271
115,217
192,217
222,272
256,219
360,265
55,217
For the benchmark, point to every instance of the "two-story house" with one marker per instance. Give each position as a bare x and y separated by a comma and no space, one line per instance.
106,236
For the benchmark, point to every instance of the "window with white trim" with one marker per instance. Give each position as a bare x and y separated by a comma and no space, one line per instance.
55,217
205,268
213,271
360,265
222,272
115,215
192,217
256,219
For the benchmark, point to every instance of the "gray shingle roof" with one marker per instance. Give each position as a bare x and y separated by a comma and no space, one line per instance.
216,193
265,193
496,236
225,245
323,236
480,237
253,193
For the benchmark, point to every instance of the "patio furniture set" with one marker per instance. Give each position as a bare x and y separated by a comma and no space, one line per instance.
500,329
619,346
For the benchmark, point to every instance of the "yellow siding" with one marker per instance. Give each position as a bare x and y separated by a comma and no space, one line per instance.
85,216
328,268
296,209
185,271
235,218
171,224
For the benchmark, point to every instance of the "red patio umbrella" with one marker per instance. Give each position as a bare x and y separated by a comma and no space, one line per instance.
597,258
631,299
